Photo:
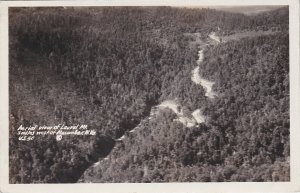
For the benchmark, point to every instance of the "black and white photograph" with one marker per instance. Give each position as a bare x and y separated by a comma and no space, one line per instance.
149,94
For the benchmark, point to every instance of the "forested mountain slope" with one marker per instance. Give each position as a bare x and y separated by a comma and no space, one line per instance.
113,66
248,127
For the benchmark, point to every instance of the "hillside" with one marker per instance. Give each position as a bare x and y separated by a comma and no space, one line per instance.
174,95
251,132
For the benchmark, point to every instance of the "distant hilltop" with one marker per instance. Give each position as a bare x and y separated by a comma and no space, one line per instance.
247,10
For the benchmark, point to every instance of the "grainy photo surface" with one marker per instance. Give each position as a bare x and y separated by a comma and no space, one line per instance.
149,94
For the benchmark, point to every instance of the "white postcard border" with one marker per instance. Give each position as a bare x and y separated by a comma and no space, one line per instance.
292,186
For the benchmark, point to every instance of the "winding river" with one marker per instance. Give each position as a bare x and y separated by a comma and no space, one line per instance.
196,116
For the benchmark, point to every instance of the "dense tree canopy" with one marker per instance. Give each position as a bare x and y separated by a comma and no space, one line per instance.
109,66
